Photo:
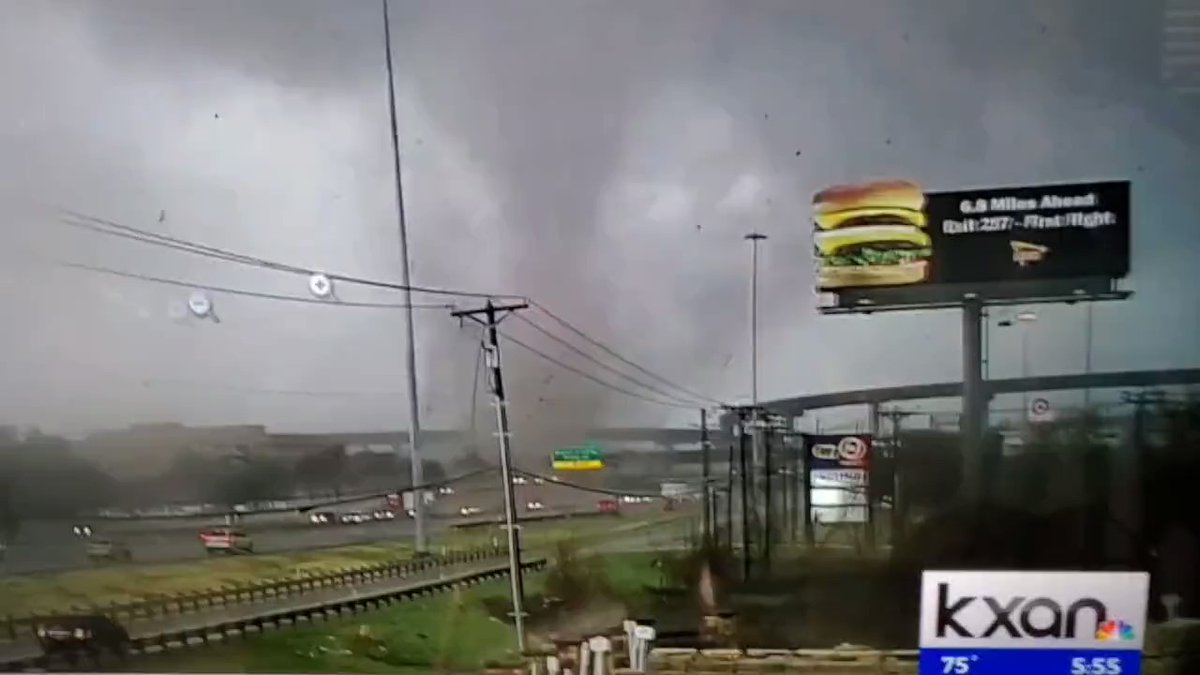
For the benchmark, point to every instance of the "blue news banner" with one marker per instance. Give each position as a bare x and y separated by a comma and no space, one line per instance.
1030,662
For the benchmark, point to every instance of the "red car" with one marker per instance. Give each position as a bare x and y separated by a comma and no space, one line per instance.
607,506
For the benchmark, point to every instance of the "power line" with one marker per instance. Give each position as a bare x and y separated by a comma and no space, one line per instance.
167,281
599,345
591,377
112,228
603,365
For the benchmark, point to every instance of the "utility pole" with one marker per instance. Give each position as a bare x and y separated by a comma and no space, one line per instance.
756,415
974,400
872,489
768,506
743,475
416,473
729,498
707,485
899,518
492,352
1141,400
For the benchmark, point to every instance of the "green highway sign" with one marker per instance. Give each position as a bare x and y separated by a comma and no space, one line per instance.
587,458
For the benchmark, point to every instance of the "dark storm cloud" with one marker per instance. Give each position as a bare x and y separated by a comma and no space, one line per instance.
605,158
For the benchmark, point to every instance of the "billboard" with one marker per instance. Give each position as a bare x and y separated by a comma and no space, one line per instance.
889,234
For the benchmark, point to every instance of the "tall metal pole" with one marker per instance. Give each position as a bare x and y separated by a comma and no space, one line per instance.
973,399
707,483
414,433
756,441
510,505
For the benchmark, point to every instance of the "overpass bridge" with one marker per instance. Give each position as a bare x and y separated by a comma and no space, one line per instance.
798,405
661,436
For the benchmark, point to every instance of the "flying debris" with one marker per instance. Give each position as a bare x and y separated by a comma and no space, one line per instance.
320,286
201,307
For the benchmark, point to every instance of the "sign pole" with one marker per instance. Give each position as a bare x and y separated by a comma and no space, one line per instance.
810,533
973,398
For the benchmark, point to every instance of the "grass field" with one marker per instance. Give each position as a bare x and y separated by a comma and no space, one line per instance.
23,595
447,633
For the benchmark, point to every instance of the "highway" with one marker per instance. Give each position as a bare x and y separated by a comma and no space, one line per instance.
51,546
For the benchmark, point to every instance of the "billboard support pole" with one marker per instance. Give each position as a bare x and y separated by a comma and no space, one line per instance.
973,398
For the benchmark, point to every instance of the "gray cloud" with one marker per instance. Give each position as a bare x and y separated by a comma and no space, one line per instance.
605,158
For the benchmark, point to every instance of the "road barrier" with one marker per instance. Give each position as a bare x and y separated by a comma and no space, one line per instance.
176,604
152,640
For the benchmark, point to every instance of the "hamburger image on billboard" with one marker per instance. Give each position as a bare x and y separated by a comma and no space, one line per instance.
871,234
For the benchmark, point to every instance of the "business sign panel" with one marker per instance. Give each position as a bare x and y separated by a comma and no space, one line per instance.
839,451
1051,623
587,458
894,234
837,477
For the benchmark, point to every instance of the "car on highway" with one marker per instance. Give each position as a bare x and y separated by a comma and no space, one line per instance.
535,505
383,514
322,518
445,490
352,518
77,635
106,550
227,540
470,511
82,530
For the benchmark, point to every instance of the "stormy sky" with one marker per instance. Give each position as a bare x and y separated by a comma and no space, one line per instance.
604,158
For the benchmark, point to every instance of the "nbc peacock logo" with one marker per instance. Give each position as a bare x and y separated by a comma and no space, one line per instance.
1114,630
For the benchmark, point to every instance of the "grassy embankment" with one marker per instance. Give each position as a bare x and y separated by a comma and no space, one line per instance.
454,632
22,595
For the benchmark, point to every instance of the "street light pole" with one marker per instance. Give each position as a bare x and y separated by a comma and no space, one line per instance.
414,428
754,238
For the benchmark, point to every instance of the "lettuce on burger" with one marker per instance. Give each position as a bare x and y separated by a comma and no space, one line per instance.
871,235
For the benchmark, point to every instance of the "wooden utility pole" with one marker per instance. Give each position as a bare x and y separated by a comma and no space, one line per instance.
492,356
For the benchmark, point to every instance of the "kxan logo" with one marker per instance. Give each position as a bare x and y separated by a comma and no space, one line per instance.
1021,617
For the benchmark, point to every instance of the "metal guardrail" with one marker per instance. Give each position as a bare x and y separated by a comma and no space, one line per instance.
176,604
153,641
